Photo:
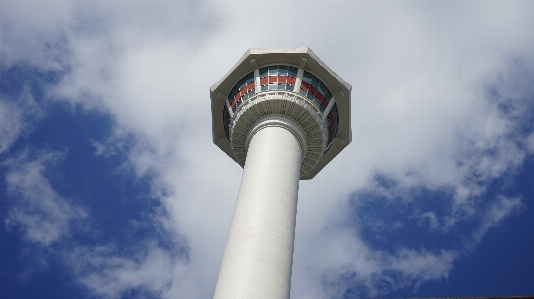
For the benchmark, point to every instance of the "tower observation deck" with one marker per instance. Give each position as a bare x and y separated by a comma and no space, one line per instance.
282,115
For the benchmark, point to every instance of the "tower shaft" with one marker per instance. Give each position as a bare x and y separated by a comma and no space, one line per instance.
259,251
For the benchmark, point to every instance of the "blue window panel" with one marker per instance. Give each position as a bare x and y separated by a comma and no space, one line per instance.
263,72
321,89
315,83
334,111
328,96
283,71
292,71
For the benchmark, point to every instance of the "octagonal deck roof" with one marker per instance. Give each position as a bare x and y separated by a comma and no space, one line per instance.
255,58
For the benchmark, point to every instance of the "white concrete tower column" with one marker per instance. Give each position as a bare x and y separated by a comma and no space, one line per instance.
259,251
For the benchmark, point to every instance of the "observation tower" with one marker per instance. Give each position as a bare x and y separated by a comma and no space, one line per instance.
282,115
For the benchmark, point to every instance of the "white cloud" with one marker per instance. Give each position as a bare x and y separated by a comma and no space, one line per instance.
10,124
498,210
17,116
422,116
37,210
343,261
33,33
431,218
110,274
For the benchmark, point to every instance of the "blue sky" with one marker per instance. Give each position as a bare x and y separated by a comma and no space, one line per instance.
110,186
